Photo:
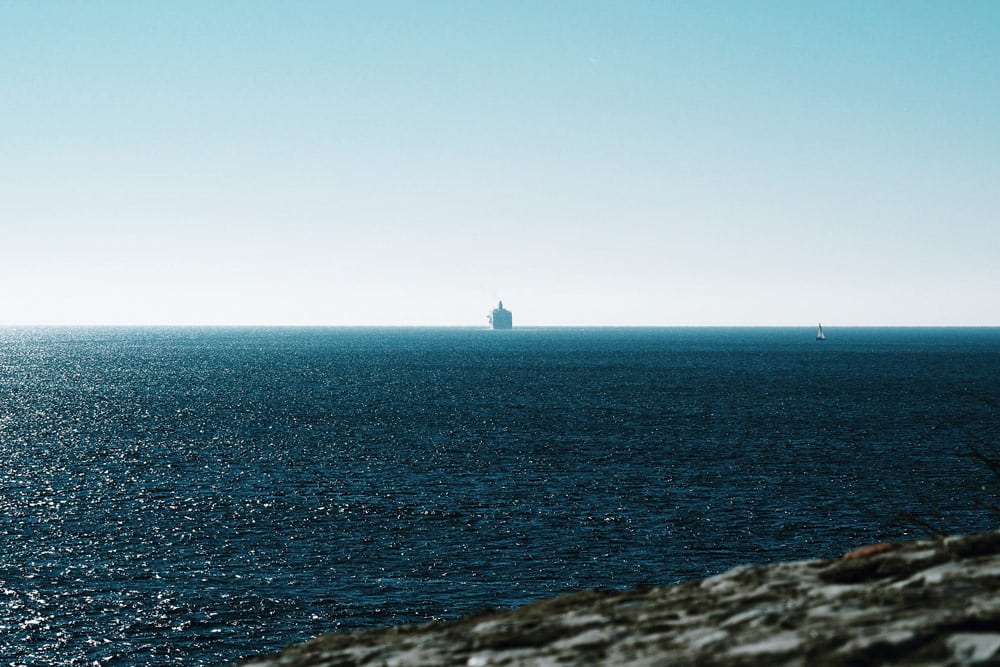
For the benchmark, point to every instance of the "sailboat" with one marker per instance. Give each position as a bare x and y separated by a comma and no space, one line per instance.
819,333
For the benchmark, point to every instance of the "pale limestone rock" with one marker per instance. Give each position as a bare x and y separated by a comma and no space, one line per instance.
925,603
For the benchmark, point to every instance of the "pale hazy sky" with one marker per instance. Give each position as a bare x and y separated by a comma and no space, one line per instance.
590,163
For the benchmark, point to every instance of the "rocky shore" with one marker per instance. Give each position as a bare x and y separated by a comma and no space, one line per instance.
920,603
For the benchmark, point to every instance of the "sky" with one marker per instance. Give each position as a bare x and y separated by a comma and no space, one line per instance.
615,163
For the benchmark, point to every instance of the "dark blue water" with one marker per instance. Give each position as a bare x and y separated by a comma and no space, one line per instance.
194,496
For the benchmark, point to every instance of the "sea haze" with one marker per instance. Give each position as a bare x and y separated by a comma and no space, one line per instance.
194,496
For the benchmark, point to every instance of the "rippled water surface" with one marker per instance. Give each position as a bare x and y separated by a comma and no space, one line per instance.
194,496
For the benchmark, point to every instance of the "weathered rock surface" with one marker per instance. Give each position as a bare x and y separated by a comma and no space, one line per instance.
921,603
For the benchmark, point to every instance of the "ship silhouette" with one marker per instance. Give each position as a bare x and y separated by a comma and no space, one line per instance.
501,318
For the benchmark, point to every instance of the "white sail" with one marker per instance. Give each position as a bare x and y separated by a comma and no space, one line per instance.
819,333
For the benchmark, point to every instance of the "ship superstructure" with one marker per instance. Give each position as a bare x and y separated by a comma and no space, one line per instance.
501,318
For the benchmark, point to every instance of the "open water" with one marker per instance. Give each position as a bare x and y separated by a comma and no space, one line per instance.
195,496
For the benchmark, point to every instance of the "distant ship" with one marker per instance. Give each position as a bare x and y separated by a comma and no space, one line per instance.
501,318
819,333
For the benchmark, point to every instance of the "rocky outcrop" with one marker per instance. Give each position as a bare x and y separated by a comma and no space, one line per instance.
921,603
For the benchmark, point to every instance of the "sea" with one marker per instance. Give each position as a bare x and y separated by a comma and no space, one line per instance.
197,496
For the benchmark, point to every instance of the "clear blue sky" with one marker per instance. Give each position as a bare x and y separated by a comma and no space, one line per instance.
590,163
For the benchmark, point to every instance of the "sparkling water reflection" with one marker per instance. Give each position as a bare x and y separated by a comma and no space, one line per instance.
192,496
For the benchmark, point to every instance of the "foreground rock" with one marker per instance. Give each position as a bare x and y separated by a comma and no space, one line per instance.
922,603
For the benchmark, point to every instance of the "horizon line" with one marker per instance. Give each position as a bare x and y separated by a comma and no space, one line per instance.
485,327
